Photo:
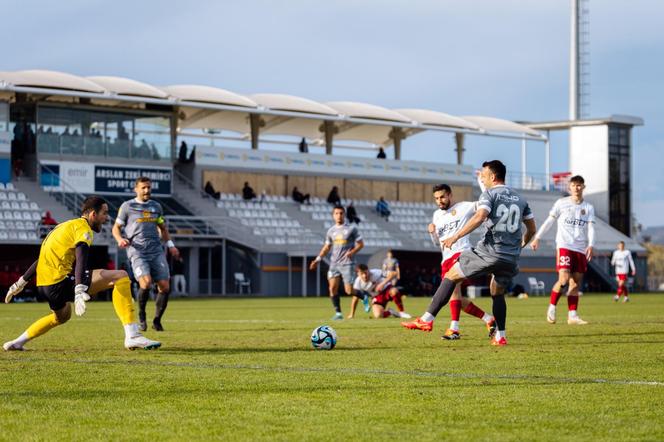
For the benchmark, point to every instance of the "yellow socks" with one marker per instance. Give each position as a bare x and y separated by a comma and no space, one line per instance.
122,301
41,326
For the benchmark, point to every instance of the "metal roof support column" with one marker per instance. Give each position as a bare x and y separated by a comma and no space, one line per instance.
397,134
459,138
255,123
523,163
329,129
547,160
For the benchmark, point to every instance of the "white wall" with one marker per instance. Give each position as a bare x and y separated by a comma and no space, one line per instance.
589,157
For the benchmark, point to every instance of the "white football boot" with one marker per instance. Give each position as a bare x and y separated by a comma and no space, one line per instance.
140,341
12,346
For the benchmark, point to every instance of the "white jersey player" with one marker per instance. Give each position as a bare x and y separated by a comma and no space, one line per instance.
575,239
448,219
623,264
379,286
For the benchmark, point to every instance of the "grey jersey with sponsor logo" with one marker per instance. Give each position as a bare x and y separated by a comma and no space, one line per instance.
507,210
140,222
342,239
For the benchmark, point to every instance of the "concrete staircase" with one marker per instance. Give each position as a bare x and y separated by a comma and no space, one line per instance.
44,200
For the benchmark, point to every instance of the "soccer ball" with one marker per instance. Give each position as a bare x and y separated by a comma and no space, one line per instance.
324,338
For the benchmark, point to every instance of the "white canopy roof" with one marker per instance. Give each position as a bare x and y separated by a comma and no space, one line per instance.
51,80
293,104
127,86
433,118
207,94
367,111
491,124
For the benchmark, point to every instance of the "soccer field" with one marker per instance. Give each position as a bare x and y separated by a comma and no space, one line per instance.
244,369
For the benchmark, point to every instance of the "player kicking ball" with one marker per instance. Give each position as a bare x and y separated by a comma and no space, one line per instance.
575,238
62,282
373,283
502,210
448,219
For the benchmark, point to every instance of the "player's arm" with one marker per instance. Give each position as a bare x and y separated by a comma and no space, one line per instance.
613,259
120,221
81,295
18,286
542,230
389,277
631,263
398,272
323,252
358,246
591,240
531,228
473,223
431,228
161,225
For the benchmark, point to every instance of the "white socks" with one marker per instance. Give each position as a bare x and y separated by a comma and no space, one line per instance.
454,325
427,317
487,318
131,330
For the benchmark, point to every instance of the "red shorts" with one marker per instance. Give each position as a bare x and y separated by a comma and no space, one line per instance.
383,297
446,265
622,276
570,260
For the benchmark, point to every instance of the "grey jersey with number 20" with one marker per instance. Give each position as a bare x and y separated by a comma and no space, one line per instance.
507,210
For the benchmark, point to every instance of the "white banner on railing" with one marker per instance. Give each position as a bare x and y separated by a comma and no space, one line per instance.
275,161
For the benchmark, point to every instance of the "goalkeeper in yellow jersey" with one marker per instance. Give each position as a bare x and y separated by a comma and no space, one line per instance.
62,279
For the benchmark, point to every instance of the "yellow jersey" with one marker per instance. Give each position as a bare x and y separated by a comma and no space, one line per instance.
57,253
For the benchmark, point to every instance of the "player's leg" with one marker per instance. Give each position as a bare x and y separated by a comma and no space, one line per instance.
141,269
455,313
625,291
355,297
558,289
497,288
573,299
470,308
397,297
39,327
123,304
334,283
159,271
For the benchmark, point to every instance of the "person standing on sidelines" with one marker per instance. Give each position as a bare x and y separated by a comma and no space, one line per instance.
448,219
344,241
622,263
502,210
575,239
143,222
62,279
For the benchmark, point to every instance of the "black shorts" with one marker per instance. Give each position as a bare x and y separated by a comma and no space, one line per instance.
59,294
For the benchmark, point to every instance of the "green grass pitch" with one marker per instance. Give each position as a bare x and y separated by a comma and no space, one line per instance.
244,369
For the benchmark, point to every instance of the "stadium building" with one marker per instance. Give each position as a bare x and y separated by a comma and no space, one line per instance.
63,137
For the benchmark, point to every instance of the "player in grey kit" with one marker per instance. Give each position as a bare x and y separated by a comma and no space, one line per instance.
501,210
344,241
143,223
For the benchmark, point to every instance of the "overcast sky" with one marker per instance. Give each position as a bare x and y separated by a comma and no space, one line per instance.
505,58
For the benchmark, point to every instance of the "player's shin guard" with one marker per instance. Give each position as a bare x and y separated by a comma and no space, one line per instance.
500,311
336,302
160,304
474,310
122,302
143,296
441,297
42,325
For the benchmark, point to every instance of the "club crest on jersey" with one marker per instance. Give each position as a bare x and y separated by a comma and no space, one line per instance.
453,212
583,211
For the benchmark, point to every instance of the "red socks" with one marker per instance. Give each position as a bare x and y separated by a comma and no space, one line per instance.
474,310
572,302
455,309
555,297
397,300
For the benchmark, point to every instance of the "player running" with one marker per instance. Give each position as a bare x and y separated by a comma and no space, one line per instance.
62,282
502,210
622,263
380,288
448,219
143,221
575,238
344,241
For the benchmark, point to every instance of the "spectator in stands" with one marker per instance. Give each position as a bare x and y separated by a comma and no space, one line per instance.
333,197
304,147
383,208
210,190
192,155
46,224
300,197
247,192
351,214
381,154
182,153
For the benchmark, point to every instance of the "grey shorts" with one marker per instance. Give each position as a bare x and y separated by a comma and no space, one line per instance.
473,264
154,265
346,271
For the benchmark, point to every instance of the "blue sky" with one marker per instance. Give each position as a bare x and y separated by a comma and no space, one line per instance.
503,58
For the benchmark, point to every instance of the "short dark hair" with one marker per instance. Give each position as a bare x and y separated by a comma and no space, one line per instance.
142,179
92,203
443,187
338,207
498,169
577,179
362,267
622,242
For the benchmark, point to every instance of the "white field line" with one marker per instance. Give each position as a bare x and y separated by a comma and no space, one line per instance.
356,371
